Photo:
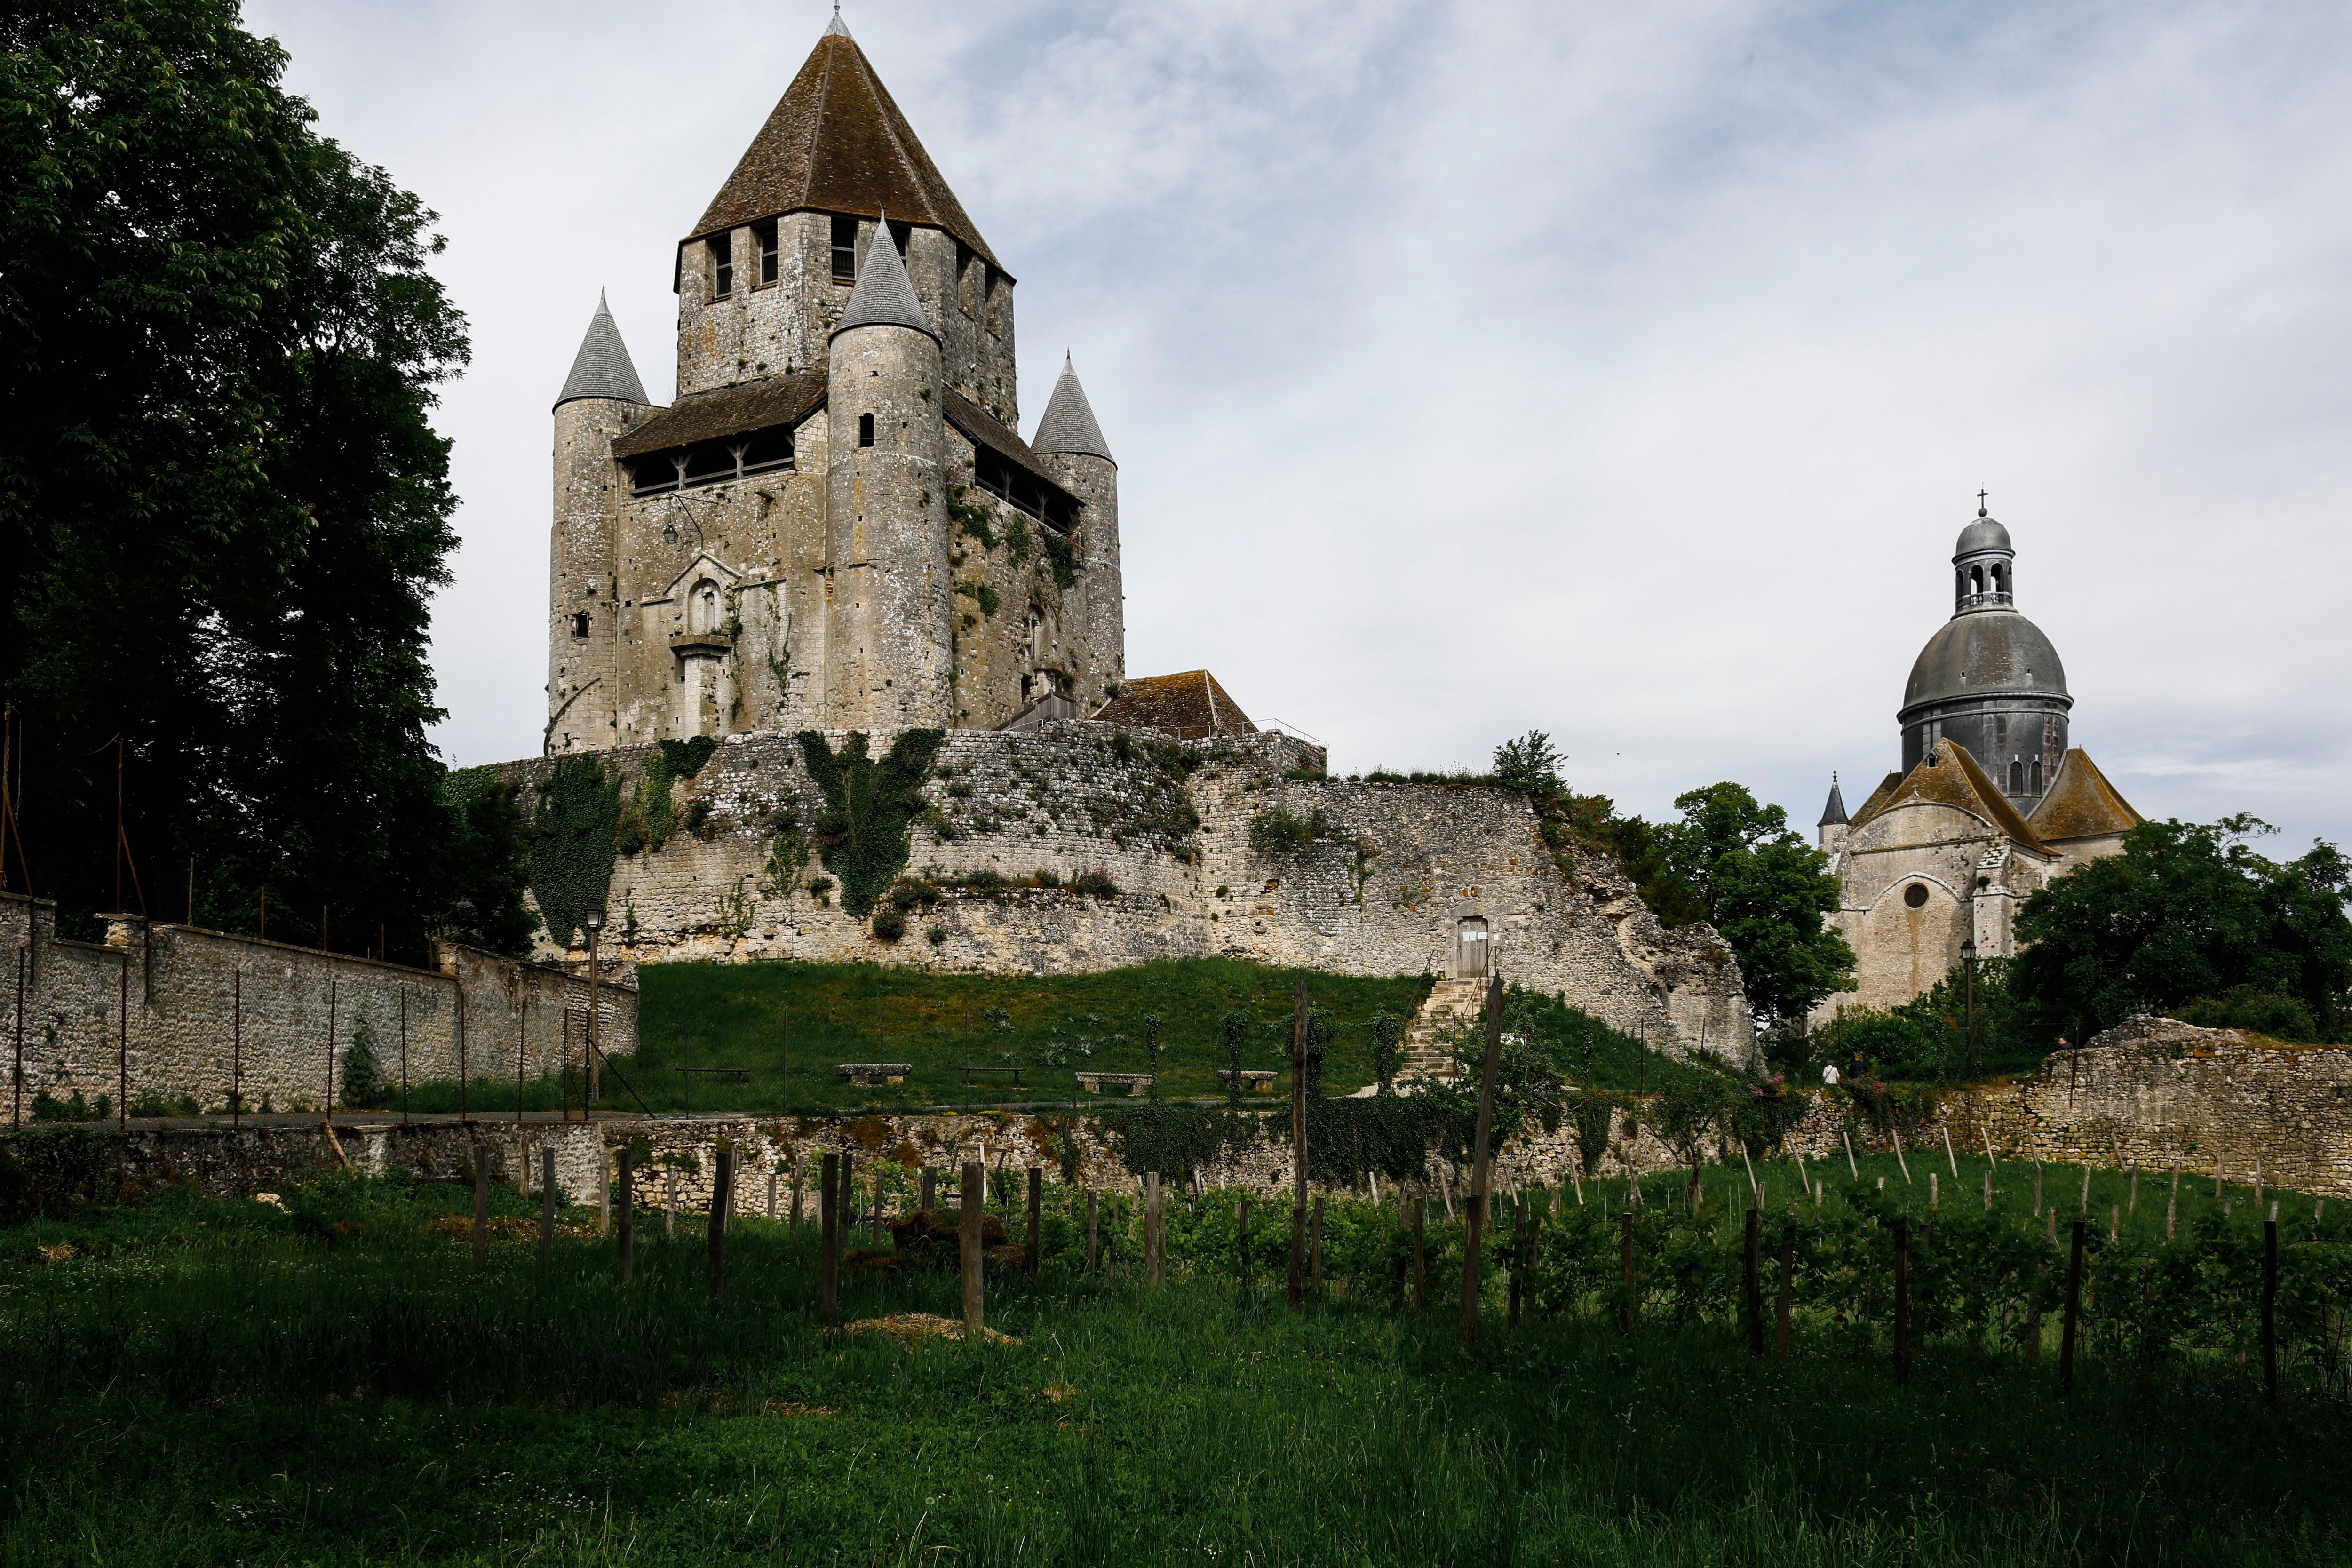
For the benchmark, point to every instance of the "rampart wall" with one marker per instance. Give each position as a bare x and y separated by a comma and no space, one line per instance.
1386,884
188,1014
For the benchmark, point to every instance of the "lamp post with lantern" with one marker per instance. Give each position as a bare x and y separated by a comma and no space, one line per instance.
595,924
1968,1050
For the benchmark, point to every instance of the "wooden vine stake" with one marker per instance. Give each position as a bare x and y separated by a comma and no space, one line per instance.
1788,1290
546,1207
1479,1156
2074,1313
1299,1148
828,1230
1034,1244
723,1199
626,1247
974,1193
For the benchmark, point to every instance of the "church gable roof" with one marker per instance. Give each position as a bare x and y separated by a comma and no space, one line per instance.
2082,803
760,404
836,142
1191,707
1949,776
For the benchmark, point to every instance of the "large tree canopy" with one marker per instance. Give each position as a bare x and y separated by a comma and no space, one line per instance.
2190,920
221,503
1766,891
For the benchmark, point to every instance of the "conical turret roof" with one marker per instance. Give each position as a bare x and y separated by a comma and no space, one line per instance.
602,368
1834,813
836,142
1069,422
884,294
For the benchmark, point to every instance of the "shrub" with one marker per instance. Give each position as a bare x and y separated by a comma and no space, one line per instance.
938,935
1096,883
1277,830
889,925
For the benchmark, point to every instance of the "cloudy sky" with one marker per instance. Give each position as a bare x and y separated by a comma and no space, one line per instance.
1620,371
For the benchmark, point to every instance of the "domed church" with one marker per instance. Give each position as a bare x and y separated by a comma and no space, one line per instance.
1989,805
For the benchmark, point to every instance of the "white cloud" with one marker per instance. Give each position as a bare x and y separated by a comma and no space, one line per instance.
1622,371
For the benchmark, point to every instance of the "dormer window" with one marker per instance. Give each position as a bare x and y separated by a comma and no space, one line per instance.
722,265
845,249
866,429
764,236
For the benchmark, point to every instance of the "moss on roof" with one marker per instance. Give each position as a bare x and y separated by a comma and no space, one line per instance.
1192,706
1948,776
2082,803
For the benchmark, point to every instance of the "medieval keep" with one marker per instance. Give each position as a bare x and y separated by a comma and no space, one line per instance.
1991,801
837,524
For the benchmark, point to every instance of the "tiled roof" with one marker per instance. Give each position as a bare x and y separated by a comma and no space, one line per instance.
1949,776
1070,423
1188,707
836,143
728,411
602,368
982,428
2082,803
1834,813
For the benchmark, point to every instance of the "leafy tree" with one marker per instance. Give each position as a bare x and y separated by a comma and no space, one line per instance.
1530,763
1766,891
2187,917
484,870
223,504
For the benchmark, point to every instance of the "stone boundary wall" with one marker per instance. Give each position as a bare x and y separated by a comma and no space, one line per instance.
1385,889
209,1009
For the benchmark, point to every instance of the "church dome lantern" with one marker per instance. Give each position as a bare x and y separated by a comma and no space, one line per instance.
1989,679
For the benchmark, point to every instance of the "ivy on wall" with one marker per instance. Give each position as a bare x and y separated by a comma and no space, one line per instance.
868,807
573,841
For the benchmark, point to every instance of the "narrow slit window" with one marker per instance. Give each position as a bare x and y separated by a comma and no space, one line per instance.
765,233
866,429
722,265
845,250
2037,776
579,624
2017,778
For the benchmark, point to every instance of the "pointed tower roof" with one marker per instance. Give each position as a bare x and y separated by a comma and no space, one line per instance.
884,294
2082,803
836,142
1070,423
1834,813
602,368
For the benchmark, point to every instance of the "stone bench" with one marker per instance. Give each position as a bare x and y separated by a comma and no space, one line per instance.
1255,1081
862,1075
1136,1084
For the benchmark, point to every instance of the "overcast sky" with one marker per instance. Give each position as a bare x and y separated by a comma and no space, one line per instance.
1622,371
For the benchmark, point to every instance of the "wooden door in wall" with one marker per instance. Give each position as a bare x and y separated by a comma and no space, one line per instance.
1470,962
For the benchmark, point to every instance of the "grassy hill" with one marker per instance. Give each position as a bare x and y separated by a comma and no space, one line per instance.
789,1024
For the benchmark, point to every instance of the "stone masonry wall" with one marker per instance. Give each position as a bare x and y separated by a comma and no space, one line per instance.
208,1011
1385,891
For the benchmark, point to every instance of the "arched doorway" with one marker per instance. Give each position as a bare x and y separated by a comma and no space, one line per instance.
1471,949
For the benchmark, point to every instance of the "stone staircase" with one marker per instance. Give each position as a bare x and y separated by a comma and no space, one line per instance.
1450,1003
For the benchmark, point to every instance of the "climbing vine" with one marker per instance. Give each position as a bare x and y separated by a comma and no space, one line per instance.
1063,558
869,807
573,842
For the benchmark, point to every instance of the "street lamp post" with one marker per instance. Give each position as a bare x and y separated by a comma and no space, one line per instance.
1968,1051
595,924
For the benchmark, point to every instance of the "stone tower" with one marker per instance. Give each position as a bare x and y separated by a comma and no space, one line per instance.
836,523
600,398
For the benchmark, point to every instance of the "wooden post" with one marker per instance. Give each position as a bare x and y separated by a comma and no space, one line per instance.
1315,1247
2270,1311
1949,1155
1155,1210
1241,1231
627,1233
2114,1222
546,1207
1420,1257
1788,1290
603,1192
1753,1278
1934,1195
1625,1273
1035,1243
1479,1156
2073,1314
1517,1298
481,1205
828,1226
670,1202
771,1197
722,1200
927,1194
2258,1182
1902,1302
2172,1204
1853,1169
796,1192
1090,1228
1299,1148
1904,1163
974,1193
2037,1189
1988,1189
2085,1206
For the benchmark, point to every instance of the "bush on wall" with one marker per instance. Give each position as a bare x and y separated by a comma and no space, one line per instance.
869,807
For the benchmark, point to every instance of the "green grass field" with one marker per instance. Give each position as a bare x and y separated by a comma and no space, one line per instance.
198,1381
757,1016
